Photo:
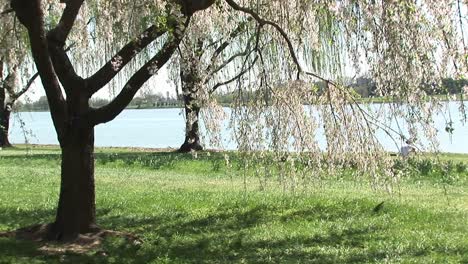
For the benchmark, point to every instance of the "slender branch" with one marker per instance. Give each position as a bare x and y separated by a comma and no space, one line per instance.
234,34
231,59
244,70
284,35
462,31
28,85
262,22
2,89
104,75
238,76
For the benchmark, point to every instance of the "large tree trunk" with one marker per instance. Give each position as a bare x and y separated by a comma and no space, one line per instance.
4,127
192,129
76,213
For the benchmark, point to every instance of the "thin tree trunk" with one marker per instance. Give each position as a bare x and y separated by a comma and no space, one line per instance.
192,129
4,127
4,113
190,77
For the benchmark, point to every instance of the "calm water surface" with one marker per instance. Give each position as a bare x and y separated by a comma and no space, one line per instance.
162,128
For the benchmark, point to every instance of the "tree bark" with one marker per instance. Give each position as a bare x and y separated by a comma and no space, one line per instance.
192,129
5,111
4,127
191,81
76,213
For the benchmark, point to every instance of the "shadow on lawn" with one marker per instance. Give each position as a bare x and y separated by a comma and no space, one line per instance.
221,236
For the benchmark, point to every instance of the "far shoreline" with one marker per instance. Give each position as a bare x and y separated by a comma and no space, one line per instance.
377,100
97,149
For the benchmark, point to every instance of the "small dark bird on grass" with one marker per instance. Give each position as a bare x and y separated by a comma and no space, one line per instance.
378,207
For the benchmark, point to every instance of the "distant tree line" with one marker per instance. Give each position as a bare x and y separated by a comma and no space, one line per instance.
366,87
147,100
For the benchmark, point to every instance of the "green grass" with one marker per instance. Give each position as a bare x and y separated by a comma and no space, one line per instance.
190,210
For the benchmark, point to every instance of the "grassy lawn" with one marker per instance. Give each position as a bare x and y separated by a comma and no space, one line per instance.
188,210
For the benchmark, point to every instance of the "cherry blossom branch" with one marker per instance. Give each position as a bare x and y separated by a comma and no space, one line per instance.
107,72
234,34
117,105
284,35
237,77
28,85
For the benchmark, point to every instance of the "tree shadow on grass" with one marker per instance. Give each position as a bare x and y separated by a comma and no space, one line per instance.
229,233
225,236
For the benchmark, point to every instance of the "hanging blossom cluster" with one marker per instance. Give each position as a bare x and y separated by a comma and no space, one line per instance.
16,64
92,44
297,92
408,47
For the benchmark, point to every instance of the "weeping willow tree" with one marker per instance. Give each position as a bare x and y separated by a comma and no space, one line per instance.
15,64
293,94
291,88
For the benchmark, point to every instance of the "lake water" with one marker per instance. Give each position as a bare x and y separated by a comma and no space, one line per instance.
163,128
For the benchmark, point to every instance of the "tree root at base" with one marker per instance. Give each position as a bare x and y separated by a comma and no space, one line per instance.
81,243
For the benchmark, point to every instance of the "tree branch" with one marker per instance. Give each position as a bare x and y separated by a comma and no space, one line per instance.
284,35
232,58
116,106
28,85
244,70
6,82
238,76
189,7
62,30
63,67
234,34
2,89
56,42
122,58
263,22
30,14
